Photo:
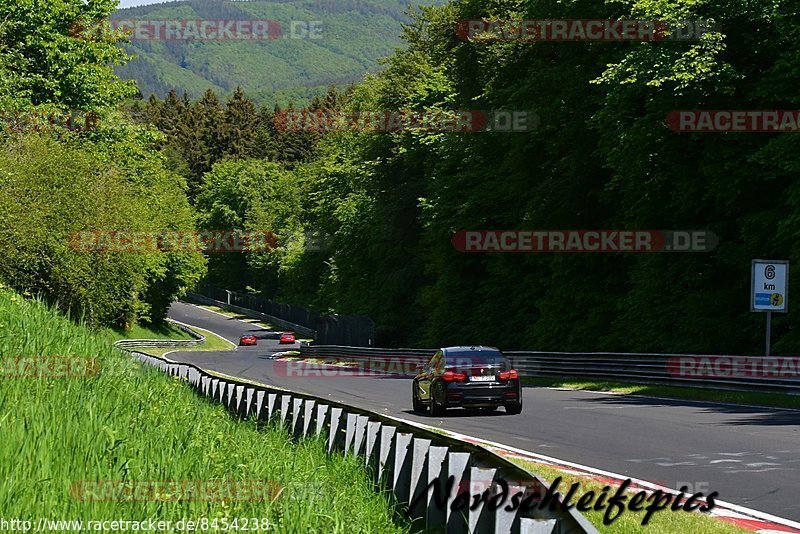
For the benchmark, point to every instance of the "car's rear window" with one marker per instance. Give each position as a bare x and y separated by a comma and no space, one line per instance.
475,358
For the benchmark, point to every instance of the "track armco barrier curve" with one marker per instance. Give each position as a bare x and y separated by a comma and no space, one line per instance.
401,457
164,343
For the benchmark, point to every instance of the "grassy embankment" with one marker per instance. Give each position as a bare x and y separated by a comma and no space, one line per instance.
133,424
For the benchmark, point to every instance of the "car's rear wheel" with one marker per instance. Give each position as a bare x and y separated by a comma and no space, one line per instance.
418,406
437,409
514,408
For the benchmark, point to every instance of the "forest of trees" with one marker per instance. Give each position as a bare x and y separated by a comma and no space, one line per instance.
602,157
55,181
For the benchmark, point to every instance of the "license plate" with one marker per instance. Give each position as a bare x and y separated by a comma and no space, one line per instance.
481,379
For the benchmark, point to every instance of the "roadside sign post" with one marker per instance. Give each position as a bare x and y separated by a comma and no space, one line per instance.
769,290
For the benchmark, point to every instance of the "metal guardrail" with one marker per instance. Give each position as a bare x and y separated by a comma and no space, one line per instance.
276,321
401,457
644,368
165,343
328,328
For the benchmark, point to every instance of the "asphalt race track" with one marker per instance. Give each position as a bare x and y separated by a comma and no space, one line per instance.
751,456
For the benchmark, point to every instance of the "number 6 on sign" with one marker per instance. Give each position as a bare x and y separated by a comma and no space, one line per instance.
769,290
769,286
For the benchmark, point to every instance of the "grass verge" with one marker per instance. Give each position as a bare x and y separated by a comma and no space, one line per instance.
775,400
165,331
629,522
132,424
213,343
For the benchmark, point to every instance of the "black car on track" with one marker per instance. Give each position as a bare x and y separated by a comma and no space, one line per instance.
468,377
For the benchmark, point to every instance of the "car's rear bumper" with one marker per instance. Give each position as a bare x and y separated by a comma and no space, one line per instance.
470,394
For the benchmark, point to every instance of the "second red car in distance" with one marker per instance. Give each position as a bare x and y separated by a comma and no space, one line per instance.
248,339
287,338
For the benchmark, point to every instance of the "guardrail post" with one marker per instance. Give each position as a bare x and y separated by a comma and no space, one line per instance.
194,377
272,401
205,385
260,394
417,482
238,405
297,404
335,431
214,388
361,429
437,473
350,432
401,466
538,526
230,396
481,519
308,415
286,402
248,401
373,428
458,467
323,411
385,455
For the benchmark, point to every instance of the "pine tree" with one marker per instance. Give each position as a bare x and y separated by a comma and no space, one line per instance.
213,117
239,134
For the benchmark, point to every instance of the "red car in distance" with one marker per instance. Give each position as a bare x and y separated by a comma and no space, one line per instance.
248,339
287,338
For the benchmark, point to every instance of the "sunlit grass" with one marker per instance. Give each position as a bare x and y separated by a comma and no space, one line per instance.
133,423
165,331
212,343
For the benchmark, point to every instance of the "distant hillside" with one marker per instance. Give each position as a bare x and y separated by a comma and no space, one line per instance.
355,33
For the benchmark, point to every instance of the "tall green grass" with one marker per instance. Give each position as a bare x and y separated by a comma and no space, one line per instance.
133,423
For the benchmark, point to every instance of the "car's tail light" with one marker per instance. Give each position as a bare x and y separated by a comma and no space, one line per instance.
509,375
453,376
